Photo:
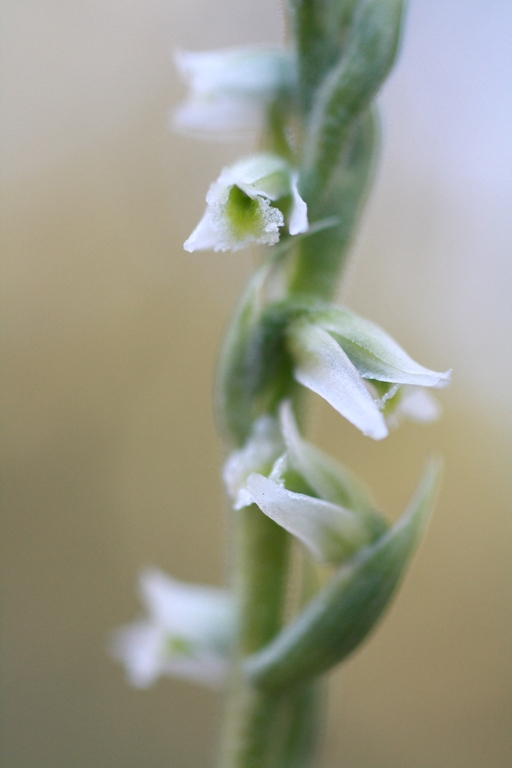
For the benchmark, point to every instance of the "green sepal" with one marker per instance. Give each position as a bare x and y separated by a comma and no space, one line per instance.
343,613
311,471
255,368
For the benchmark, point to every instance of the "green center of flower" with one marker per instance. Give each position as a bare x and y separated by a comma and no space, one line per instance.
243,214
177,646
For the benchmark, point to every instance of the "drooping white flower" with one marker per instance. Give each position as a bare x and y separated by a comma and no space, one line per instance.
335,352
231,89
331,532
187,633
305,491
240,206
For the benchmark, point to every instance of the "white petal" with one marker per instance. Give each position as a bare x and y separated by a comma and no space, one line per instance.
196,613
258,455
206,668
146,652
298,222
139,647
416,404
222,118
375,354
262,174
330,532
258,70
204,237
322,366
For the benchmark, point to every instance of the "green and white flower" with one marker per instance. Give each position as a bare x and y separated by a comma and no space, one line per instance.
304,491
242,205
346,360
187,633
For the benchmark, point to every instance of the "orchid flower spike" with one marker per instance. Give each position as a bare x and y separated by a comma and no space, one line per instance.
232,89
340,356
186,634
240,206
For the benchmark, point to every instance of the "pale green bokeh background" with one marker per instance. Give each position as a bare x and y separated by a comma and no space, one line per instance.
109,338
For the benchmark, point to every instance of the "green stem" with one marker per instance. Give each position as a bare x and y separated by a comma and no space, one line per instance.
320,258
263,730
261,558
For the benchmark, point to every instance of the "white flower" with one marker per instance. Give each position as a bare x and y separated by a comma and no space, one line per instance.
231,89
239,205
333,516
335,352
187,633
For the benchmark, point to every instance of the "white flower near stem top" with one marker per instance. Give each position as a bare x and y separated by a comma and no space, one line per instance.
241,205
331,514
232,89
346,360
187,633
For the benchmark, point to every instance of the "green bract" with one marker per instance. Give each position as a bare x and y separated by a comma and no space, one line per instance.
342,614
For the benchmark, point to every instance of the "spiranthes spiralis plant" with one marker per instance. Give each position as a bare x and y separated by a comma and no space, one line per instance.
299,198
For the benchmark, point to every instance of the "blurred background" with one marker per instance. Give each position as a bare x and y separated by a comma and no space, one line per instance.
110,459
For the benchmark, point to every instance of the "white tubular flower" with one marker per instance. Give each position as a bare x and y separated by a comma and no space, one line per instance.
231,89
187,633
262,449
239,206
331,532
335,352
